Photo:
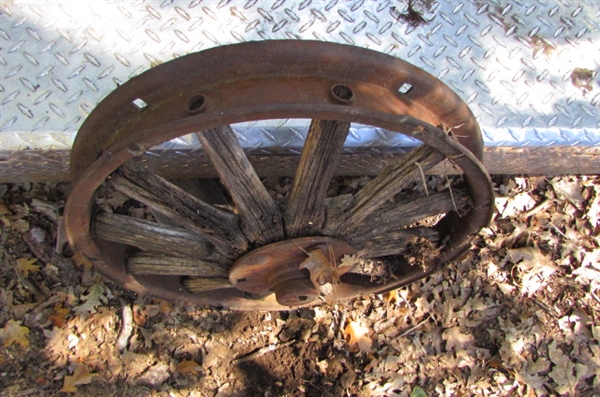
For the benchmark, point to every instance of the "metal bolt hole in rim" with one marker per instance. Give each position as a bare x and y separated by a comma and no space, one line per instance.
332,84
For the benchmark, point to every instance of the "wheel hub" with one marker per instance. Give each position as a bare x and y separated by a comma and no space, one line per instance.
276,268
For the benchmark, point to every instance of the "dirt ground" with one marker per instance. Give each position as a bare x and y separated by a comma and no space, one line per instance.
518,315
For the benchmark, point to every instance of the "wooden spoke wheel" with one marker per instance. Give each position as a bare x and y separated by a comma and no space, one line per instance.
229,242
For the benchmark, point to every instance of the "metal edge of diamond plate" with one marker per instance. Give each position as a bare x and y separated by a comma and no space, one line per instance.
528,70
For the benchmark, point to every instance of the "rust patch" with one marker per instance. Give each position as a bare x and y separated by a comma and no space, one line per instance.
582,79
412,17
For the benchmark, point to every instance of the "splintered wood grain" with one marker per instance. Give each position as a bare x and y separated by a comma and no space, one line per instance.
207,190
404,213
150,236
215,225
397,176
305,212
260,217
396,242
201,284
169,265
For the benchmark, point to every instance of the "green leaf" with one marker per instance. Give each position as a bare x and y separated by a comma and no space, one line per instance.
418,392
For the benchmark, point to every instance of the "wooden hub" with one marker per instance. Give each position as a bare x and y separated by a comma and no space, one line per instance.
275,268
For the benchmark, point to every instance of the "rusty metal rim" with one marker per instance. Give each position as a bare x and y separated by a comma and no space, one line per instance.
283,72
316,102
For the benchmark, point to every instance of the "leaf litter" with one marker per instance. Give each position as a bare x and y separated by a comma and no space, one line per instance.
518,315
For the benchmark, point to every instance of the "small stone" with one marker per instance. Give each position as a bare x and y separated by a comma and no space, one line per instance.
155,376
347,379
285,335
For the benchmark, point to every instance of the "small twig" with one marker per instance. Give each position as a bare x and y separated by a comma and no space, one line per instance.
415,327
28,392
61,236
423,178
299,246
340,327
537,208
316,387
593,293
552,311
261,352
558,230
45,208
126,327
451,194
455,270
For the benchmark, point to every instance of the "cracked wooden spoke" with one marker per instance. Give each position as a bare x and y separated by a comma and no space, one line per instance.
304,211
150,236
217,226
404,213
169,265
395,177
202,284
396,242
206,190
260,217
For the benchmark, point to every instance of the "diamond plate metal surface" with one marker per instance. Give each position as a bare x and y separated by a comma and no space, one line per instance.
528,69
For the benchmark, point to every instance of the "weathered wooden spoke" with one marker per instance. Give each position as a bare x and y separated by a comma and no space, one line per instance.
204,284
343,217
150,236
404,213
169,265
259,215
397,241
213,224
305,211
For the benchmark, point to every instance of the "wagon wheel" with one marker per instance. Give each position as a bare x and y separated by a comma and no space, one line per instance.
243,249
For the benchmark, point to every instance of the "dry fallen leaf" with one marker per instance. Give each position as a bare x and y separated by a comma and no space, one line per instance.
568,190
139,316
349,261
14,221
322,271
357,336
27,265
94,298
80,259
391,297
165,308
59,315
14,332
189,367
4,209
512,206
535,268
456,340
217,354
565,373
81,376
